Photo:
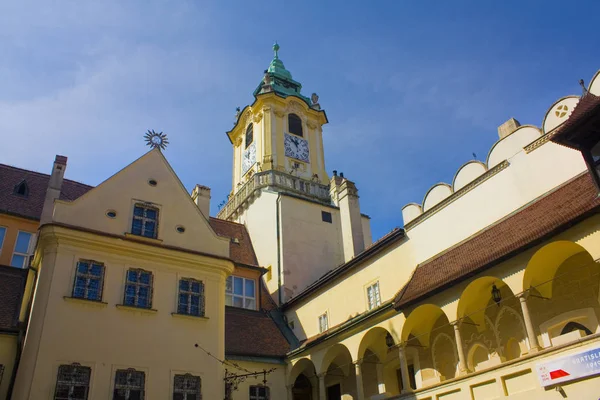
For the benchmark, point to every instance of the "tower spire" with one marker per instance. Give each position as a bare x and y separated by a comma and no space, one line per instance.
276,50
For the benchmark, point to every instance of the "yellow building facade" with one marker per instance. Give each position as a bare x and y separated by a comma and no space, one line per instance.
491,290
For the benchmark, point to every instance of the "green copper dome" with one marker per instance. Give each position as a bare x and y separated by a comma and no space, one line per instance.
279,80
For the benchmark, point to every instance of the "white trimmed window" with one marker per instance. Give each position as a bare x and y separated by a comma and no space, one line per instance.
259,393
323,323
373,297
187,387
23,250
2,234
72,382
240,292
129,384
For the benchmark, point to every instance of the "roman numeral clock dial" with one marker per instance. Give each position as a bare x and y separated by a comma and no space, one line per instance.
296,147
248,158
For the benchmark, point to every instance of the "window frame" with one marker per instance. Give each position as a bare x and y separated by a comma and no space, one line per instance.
139,285
256,395
128,387
145,206
72,383
184,391
323,317
293,115
377,298
326,216
189,294
3,237
243,296
249,130
29,252
89,277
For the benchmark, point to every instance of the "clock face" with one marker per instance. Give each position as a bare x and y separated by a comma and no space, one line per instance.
296,147
248,158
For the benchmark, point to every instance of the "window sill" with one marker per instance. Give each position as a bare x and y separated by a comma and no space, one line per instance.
136,309
141,238
188,316
87,302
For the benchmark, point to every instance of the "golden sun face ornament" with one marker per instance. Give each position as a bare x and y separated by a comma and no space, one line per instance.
156,139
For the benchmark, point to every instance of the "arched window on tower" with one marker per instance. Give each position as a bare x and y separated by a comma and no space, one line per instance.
249,135
295,124
21,188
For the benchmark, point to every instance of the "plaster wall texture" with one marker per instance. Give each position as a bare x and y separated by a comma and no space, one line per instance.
107,337
89,210
8,350
13,225
528,176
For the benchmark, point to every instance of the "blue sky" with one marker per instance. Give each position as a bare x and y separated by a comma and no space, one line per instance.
411,89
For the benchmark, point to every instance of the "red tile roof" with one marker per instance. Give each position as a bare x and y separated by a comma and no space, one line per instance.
241,250
525,228
12,286
253,334
30,206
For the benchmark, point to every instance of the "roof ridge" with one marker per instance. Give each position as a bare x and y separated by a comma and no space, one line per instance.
229,222
41,174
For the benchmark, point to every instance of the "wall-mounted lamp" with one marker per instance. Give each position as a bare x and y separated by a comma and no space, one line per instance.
389,340
496,295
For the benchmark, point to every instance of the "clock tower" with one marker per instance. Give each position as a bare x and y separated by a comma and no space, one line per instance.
280,188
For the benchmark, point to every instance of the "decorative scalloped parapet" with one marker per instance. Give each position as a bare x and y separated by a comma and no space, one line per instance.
436,194
410,212
594,87
468,173
559,112
512,144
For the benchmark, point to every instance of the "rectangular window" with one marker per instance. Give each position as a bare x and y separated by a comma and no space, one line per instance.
187,387
2,234
72,382
23,250
138,288
240,292
326,216
129,384
89,278
323,323
145,221
373,297
259,393
191,297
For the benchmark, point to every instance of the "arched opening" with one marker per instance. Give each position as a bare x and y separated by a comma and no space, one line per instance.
249,135
304,381
563,282
490,315
340,376
378,354
478,357
430,349
294,124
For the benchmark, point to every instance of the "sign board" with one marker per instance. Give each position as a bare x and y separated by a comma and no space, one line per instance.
568,368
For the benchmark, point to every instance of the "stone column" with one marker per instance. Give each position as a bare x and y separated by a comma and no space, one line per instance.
360,392
462,365
322,391
404,369
533,344
290,391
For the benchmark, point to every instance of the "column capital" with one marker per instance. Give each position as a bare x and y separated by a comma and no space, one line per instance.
322,375
523,295
456,323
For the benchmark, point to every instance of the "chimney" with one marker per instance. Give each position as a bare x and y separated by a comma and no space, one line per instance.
54,188
201,196
507,128
351,221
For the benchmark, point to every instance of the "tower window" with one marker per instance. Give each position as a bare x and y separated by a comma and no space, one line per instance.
21,189
295,124
326,216
249,135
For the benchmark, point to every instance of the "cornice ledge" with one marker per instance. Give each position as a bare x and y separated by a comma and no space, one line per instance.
457,195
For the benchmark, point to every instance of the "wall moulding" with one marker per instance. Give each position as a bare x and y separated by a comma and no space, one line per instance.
457,195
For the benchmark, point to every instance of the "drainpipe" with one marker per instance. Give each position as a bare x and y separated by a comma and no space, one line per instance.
21,336
277,207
